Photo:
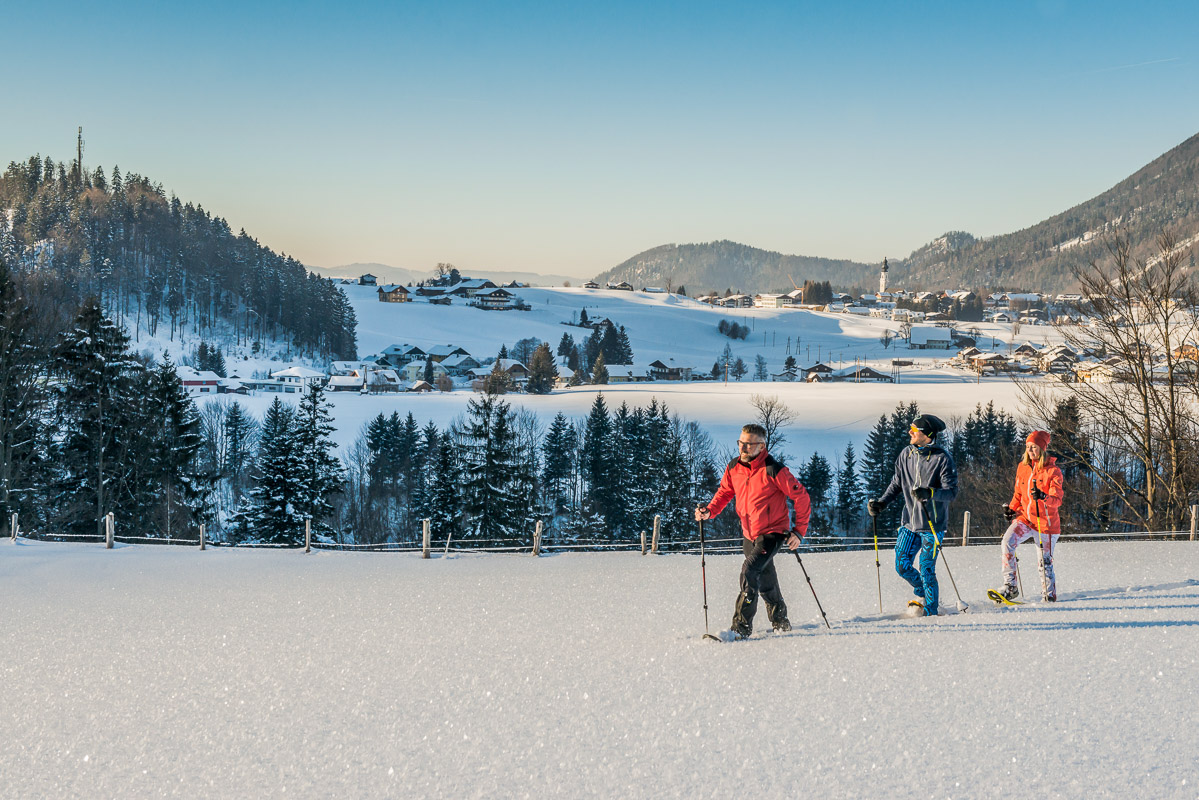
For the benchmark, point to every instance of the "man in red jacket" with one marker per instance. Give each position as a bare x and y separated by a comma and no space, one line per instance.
761,486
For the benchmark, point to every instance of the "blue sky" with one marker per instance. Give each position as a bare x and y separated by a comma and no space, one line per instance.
564,138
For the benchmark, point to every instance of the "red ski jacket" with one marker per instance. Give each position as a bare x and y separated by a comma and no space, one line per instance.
1049,481
762,488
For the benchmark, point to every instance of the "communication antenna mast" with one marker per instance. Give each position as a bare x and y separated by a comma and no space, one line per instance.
79,155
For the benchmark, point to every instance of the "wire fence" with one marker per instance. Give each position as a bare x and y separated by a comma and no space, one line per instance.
557,543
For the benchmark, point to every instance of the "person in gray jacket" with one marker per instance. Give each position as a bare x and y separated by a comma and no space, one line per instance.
926,475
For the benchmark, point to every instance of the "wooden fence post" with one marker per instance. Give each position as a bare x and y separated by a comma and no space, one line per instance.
537,538
643,543
108,530
13,529
424,527
657,530
1194,517
965,529
201,535
308,535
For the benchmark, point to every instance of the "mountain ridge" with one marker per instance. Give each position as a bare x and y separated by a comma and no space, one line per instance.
1162,195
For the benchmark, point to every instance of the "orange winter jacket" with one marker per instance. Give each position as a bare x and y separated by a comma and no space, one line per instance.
762,488
1049,481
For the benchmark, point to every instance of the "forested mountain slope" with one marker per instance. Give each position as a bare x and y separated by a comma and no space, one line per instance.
160,262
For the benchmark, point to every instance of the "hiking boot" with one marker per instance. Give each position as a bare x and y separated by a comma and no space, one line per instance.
1010,592
740,631
782,626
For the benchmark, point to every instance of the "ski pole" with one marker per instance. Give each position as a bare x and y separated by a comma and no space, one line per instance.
878,573
703,567
961,603
1040,547
813,588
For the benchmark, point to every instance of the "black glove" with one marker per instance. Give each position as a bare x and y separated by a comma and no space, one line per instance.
922,493
1037,494
873,507
1009,513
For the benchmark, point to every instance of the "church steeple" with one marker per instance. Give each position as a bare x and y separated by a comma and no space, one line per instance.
882,278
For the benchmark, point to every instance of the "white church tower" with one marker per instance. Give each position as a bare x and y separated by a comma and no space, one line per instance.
882,278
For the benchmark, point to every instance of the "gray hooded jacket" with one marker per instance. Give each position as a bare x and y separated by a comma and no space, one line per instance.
923,466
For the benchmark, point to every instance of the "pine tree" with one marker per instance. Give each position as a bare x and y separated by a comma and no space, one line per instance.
96,375
488,458
583,321
320,473
760,371
240,433
739,369
443,504
428,375
271,511
599,371
849,491
542,371
817,478
559,452
598,466
626,347
171,428
22,396
566,344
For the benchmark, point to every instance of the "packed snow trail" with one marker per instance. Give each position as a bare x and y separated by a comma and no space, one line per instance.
169,671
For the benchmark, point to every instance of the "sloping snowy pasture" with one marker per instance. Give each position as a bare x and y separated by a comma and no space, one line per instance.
161,671
667,326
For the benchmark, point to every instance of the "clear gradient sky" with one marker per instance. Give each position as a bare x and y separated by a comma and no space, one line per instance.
565,137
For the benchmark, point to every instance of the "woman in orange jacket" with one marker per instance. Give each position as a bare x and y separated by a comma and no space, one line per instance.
1033,512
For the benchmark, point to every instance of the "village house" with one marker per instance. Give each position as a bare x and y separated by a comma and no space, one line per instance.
458,366
383,381
590,285
669,371
858,374
626,373
496,299
816,371
367,280
394,293
441,352
199,381
353,381
415,370
928,337
623,286
299,377
517,372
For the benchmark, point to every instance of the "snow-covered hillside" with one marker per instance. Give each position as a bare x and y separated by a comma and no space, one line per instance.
662,326
150,671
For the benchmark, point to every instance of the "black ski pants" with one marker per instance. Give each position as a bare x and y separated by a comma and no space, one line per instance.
758,577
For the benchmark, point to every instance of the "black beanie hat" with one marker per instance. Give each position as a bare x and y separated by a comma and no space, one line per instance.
929,425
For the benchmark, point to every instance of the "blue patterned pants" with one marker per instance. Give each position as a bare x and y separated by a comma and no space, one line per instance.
924,582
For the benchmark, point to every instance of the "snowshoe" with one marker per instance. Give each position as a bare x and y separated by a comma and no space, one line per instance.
915,608
733,635
782,626
1002,598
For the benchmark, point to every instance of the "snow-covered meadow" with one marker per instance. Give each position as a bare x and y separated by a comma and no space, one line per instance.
662,326
166,671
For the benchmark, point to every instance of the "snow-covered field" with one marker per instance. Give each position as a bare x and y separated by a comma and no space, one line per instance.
161,671
667,326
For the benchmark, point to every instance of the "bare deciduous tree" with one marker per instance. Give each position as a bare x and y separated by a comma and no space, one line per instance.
1138,435
773,415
